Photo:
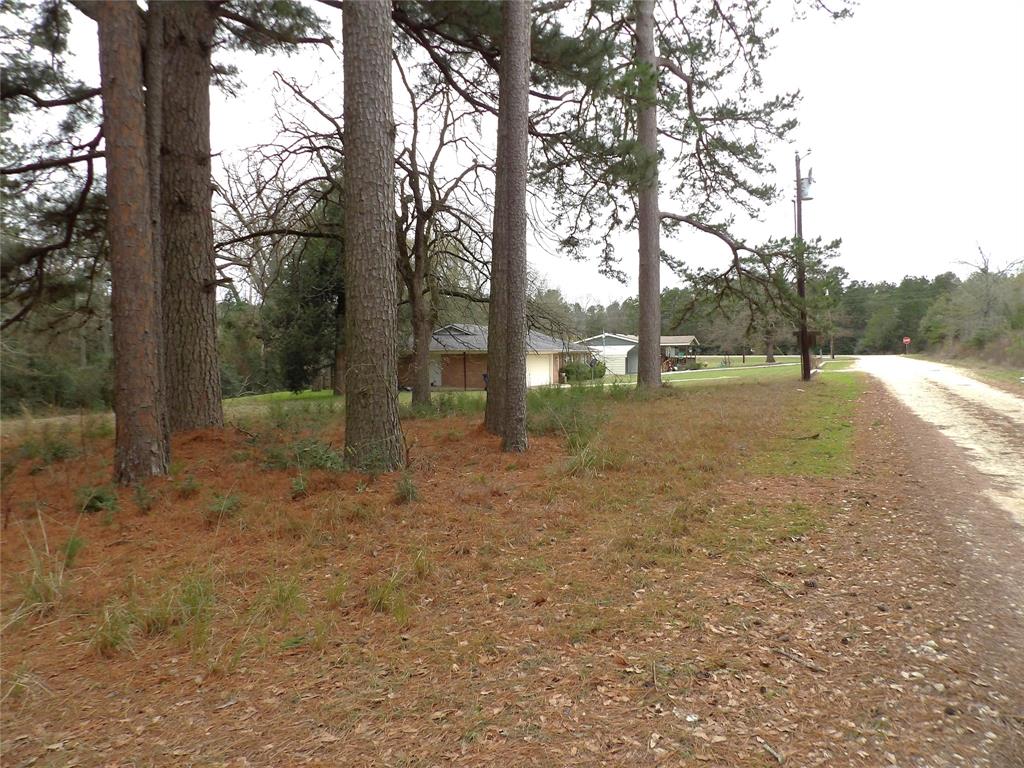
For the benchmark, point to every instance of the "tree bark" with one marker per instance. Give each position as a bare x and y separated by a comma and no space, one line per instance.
141,448
189,295
769,343
497,345
153,72
649,346
514,111
373,434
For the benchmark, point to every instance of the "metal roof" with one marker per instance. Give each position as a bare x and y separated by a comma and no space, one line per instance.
678,341
666,341
623,336
462,337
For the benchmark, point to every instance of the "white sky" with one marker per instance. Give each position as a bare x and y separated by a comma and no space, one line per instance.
913,110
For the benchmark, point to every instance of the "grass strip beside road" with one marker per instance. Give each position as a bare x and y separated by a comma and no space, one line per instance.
818,439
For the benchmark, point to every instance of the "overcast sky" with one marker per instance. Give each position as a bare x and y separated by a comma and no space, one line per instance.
913,111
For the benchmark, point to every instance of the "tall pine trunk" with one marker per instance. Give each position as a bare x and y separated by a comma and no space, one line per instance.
769,343
373,434
153,72
497,343
514,111
141,448
189,296
649,219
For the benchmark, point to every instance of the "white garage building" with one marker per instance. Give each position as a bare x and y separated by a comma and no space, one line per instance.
616,350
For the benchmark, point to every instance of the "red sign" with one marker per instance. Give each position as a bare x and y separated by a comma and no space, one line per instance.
906,339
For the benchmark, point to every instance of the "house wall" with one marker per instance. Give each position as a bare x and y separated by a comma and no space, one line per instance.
462,370
613,363
406,371
541,369
632,359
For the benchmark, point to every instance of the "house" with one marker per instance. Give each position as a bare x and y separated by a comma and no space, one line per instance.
678,351
618,351
458,358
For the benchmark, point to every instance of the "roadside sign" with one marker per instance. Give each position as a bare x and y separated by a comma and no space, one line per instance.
906,339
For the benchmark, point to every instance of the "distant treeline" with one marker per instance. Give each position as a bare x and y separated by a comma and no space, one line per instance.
287,341
982,315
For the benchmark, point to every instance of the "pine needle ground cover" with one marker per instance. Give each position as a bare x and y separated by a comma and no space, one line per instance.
649,584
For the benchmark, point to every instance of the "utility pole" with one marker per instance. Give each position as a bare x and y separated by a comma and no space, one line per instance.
804,337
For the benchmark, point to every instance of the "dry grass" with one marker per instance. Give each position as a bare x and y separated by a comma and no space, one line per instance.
544,608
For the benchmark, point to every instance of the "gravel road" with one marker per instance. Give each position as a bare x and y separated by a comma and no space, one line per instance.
985,422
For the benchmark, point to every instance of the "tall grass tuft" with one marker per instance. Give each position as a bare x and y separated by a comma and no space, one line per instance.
405,490
44,587
114,630
388,596
186,609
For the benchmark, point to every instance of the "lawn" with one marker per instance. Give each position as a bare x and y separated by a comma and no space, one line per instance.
753,371
605,594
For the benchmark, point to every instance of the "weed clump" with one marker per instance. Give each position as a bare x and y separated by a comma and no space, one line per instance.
48,446
145,499
97,499
45,585
71,548
303,455
187,487
572,413
444,404
95,426
389,597
186,608
114,630
336,591
280,597
406,491
223,507
421,565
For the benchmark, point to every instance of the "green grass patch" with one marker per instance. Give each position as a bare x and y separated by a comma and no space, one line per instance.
281,596
754,528
285,396
97,499
223,507
185,609
388,596
818,436
48,445
114,630
302,455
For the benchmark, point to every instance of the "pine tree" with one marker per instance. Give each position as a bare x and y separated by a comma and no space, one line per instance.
373,435
648,219
192,369
513,164
141,442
